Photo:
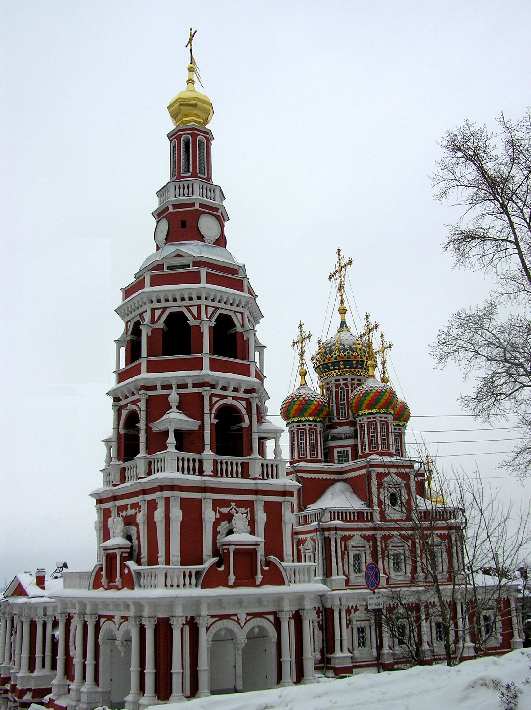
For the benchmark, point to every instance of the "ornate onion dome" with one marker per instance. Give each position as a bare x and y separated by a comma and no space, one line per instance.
374,397
190,105
304,405
343,354
402,413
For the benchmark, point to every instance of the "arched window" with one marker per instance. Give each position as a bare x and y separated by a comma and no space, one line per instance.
186,155
173,159
362,438
313,443
229,432
398,443
301,442
342,403
176,335
135,349
131,434
201,156
224,341
384,436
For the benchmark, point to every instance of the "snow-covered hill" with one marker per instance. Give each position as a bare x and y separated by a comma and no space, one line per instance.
472,685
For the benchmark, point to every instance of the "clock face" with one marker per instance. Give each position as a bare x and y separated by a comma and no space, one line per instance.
209,227
161,231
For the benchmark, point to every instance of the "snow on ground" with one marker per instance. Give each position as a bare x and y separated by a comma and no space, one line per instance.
469,686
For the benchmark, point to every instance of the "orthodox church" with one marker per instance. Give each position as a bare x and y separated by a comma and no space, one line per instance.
219,566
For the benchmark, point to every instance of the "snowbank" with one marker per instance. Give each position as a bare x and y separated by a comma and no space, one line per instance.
469,686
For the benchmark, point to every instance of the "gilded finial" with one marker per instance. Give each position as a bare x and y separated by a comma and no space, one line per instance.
190,106
338,275
382,352
190,43
300,345
366,336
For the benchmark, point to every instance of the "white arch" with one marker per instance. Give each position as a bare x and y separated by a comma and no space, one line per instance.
231,314
125,413
108,631
230,624
262,621
228,401
176,309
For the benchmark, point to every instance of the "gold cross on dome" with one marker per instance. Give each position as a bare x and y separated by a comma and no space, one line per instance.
190,43
338,275
366,336
300,345
382,352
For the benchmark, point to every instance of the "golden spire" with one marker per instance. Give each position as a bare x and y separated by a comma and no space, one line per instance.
300,345
366,336
191,106
382,352
338,275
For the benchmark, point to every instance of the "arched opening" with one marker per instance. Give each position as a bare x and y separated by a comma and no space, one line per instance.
186,155
201,156
223,662
176,335
131,433
135,348
224,341
259,660
115,668
229,432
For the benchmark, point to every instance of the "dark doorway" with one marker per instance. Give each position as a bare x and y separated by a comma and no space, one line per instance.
131,433
135,350
176,335
229,432
224,341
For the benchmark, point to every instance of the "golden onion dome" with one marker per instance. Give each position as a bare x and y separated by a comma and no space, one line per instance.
342,354
191,106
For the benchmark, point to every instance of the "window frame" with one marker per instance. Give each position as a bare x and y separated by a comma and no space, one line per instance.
202,142
186,139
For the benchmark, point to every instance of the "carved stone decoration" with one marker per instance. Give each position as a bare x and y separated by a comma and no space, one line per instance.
116,526
240,522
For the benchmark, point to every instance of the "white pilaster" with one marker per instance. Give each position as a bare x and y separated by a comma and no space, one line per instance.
208,521
287,530
254,428
18,644
175,530
343,625
176,660
90,663
131,701
60,684
26,634
3,626
7,642
150,670
516,641
425,644
48,645
337,632
161,537
75,687
39,621
285,655
207,452
203,688
142,525
260,517
307,653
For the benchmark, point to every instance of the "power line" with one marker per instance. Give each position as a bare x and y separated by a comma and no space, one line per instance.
469,441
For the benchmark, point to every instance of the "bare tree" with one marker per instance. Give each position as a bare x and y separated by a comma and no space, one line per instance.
489,175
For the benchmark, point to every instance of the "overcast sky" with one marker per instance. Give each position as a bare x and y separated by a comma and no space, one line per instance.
327,122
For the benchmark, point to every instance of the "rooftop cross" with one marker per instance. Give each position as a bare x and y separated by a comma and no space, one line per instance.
338,275
366,336
190,43
300,345
382,352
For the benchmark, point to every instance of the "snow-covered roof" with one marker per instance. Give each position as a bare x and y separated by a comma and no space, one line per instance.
27,581
192,249
267,427
241,539
339,495
175,419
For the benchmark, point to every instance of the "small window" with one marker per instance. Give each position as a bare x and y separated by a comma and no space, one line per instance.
384,436
313,443
398,444
342,404
183,224
362,438
395,499
488,625
301,440
342,456
201,157
173,159
401,634
356,563
397,562
439,632
373,437
186,157
362,636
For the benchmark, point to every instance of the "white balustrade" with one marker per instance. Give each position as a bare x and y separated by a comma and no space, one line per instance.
272,468
229,466
76,580
131,471
166,577
345,515
184,189
299,572
107,477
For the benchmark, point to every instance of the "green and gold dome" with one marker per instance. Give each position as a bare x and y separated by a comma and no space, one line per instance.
373,397
343,354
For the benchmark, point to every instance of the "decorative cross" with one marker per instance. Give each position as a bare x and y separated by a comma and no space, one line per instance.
366,335
338,275
300,345
382,352
189,44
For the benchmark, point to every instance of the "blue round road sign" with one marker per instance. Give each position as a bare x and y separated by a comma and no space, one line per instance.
372,576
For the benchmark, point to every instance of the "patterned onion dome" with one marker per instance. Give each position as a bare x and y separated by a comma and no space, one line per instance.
402,413
374,397
304,405
343,354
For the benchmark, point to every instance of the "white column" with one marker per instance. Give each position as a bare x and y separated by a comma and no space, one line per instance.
338,554
48,645
161,536
287,530
254,427
60,685
39,621
18,643
26,632
468,649
343,624
176,660
131,701
149,672
285,656
337,632
307,653
142,525
332,538
115,431
203,688
78,659
516,641
142,431
207,452
205,332
386,655
175,530
238,650
90,663
208,521
7,644
3,626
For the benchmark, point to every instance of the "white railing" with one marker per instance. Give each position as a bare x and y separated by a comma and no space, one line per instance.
166,577
230,466
107,477
76,580
344,515
183,189
299,572
270,469
131,471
